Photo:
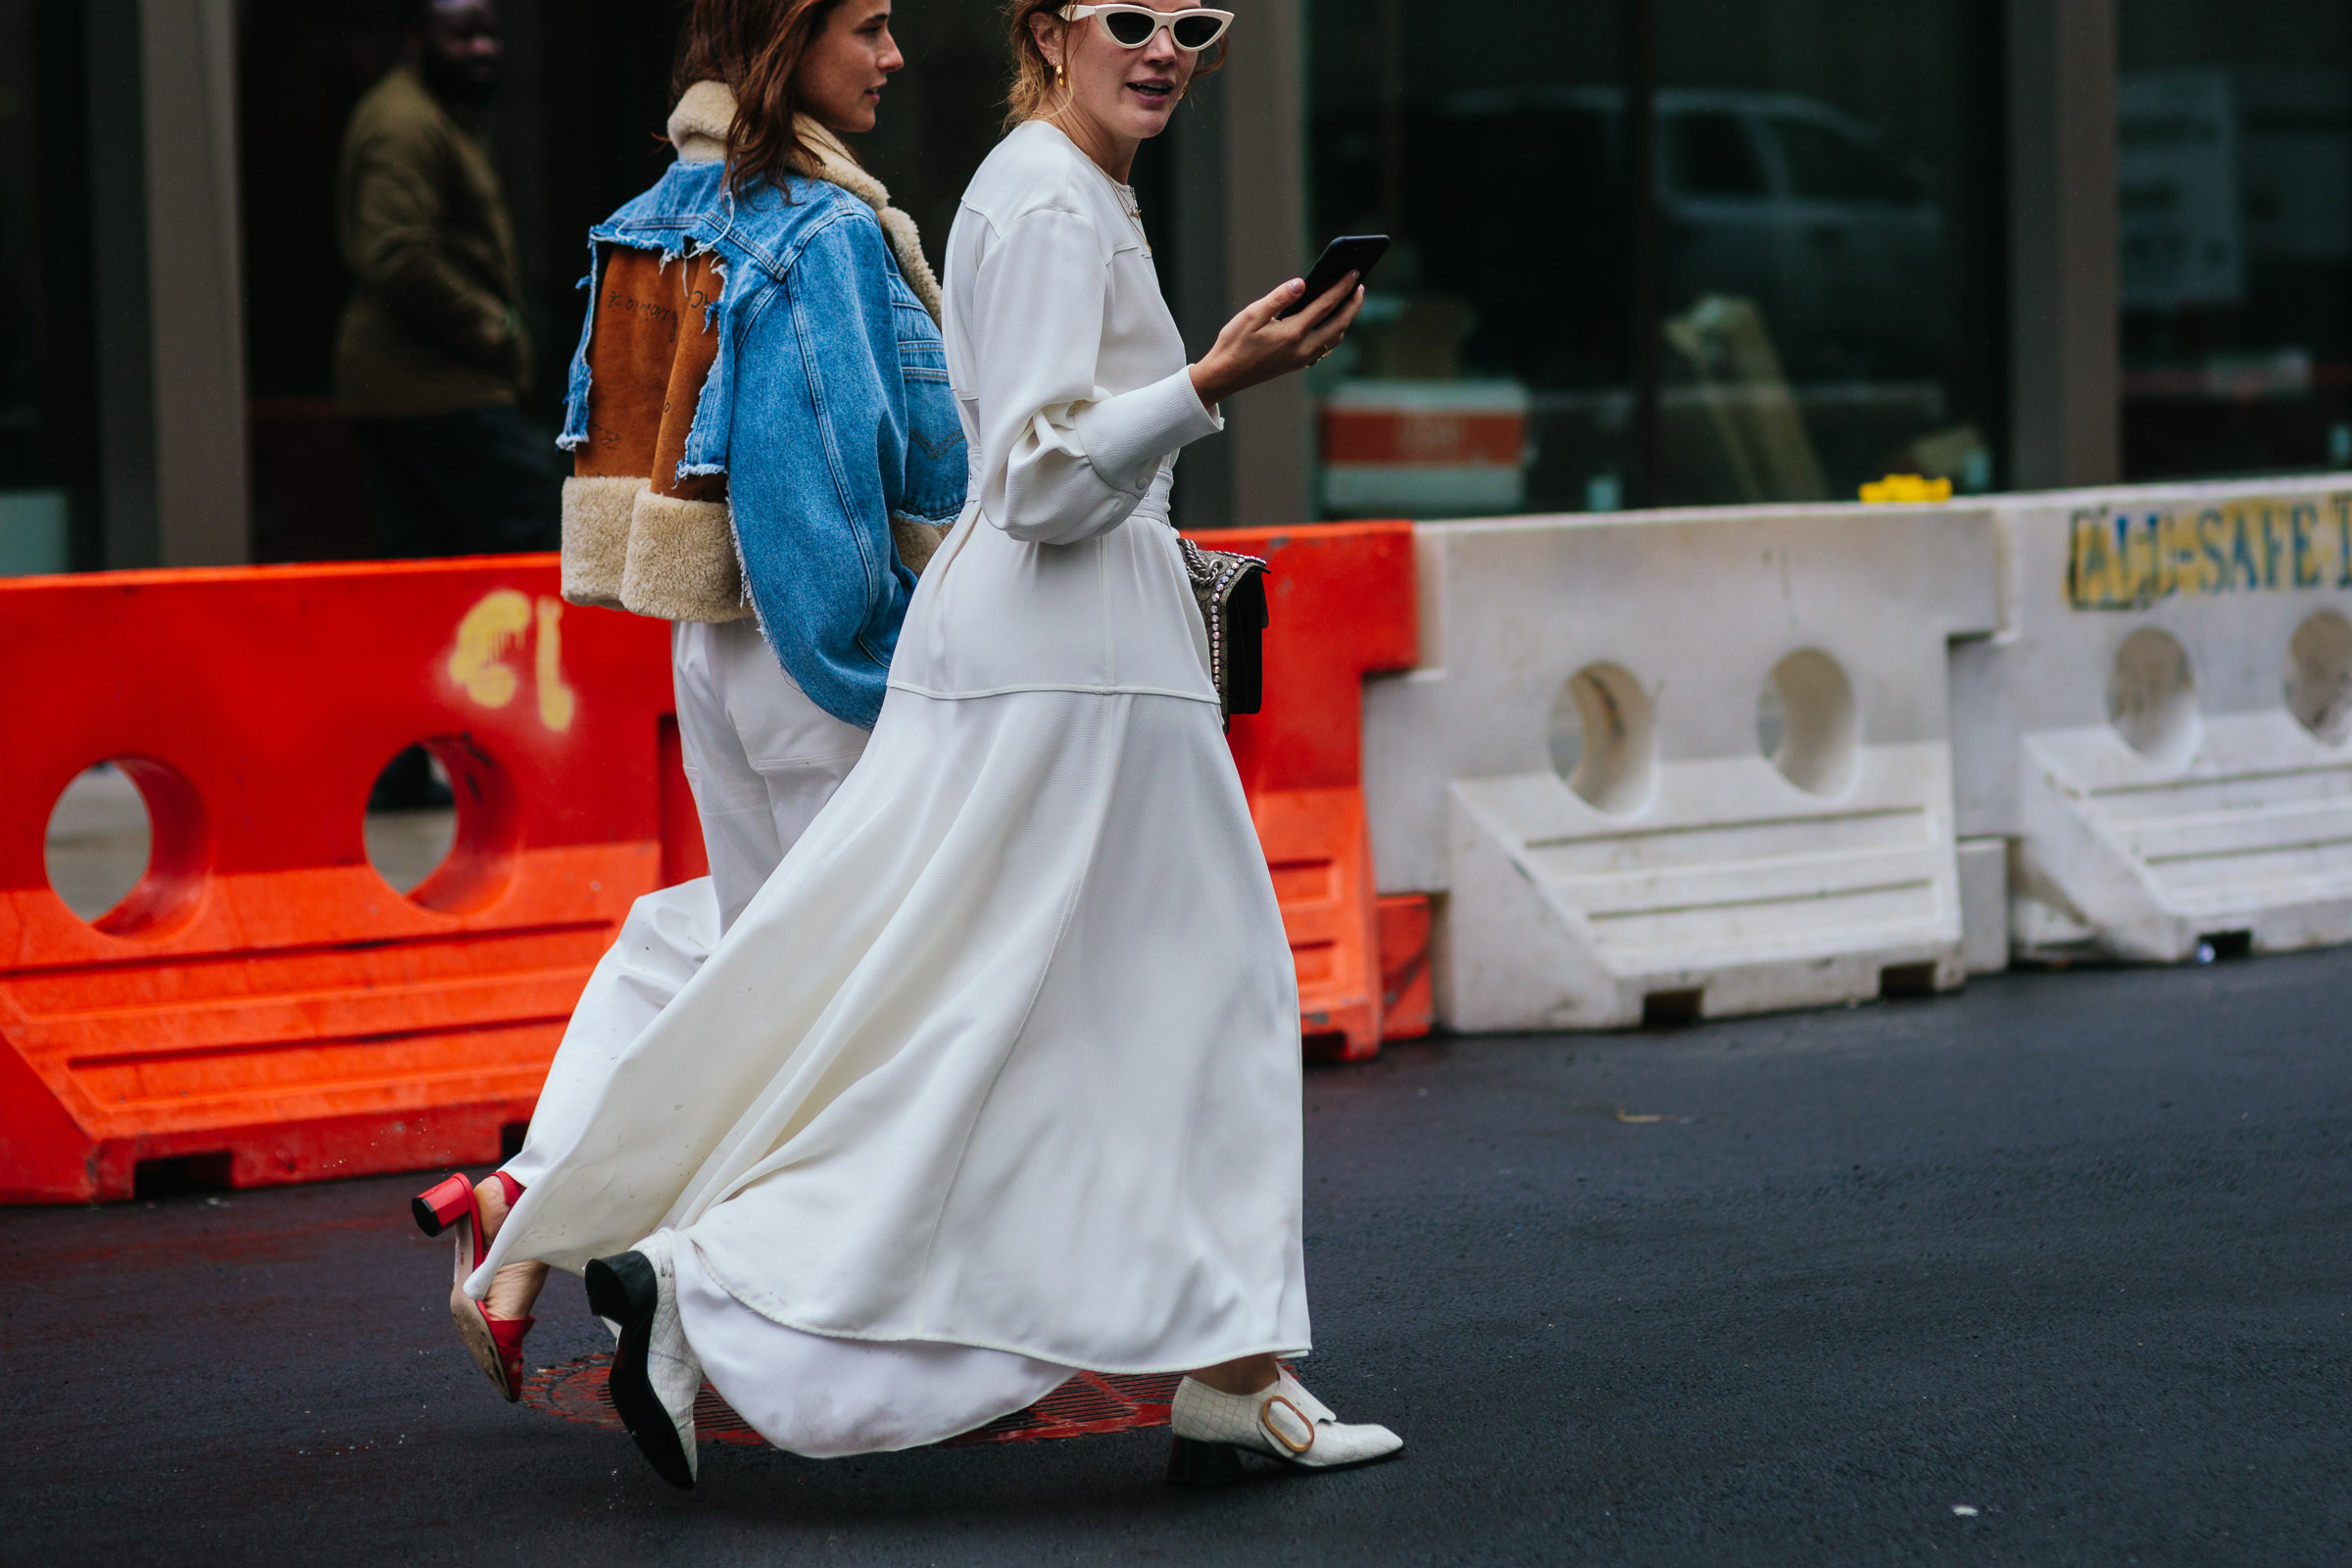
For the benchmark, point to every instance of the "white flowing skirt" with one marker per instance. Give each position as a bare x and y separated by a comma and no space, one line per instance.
1004,1058
808,1393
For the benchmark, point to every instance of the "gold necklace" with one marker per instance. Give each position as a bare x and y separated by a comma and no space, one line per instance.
1127,202
1134,211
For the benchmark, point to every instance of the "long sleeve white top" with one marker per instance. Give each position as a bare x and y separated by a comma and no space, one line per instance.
1072,385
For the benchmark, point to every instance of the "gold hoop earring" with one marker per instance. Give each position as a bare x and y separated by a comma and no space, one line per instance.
1060,80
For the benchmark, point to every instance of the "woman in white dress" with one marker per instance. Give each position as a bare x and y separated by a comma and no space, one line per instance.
998,1077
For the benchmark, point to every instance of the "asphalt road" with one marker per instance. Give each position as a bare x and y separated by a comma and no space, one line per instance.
2069,1250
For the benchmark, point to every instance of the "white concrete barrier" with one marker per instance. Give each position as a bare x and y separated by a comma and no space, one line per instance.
1675,765
2162,732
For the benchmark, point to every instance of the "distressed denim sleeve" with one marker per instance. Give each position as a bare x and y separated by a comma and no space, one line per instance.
396,251
1063,462
816,456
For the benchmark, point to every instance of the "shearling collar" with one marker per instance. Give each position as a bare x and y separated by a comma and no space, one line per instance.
699,127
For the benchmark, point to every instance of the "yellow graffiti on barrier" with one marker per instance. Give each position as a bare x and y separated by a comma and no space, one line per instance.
488,630
557,700
495,627
2122,560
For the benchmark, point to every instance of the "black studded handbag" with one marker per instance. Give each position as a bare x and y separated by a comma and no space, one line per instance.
1231,589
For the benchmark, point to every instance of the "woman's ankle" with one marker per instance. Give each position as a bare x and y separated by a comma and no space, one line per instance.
1251,1374
490,1197
515,1287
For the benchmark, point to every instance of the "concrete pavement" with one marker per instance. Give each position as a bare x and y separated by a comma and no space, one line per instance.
2069,1250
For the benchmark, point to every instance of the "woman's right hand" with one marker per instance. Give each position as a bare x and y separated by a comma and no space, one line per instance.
1255,348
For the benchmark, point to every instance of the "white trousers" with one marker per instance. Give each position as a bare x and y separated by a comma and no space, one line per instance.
762,760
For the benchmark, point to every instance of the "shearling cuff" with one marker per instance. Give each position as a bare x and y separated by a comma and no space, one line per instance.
596,538
681,562
918,540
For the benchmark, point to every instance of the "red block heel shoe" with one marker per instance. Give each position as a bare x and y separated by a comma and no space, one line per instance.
495,1342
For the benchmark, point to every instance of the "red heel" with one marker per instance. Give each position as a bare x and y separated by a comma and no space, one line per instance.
495,1342
439,1207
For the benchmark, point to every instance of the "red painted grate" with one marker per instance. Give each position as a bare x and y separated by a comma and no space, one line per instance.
1090,1403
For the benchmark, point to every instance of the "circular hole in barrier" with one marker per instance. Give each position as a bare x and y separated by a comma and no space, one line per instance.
1806,722
2152,695
411,819
441,825
2319,676
100,839
128,845
1603,737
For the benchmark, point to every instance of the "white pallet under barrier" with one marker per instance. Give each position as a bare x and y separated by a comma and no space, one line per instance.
2163,730
1677,764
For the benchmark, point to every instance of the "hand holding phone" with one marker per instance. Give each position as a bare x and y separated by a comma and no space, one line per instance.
1349,253
1268,340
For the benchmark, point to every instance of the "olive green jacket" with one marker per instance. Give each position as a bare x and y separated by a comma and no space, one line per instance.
435,318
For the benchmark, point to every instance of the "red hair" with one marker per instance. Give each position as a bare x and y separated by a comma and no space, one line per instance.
755,47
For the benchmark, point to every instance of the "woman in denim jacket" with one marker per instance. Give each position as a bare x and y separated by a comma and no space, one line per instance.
765,449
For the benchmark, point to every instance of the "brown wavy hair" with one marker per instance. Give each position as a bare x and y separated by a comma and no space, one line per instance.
1033,93
755,47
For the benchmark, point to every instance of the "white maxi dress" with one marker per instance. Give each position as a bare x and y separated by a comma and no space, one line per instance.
999,1075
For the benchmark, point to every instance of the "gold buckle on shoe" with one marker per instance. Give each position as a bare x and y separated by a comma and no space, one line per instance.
1264,1419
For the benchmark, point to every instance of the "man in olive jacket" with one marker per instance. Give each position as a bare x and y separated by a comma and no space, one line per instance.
432,353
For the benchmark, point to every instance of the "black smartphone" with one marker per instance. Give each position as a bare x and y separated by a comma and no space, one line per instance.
1349,253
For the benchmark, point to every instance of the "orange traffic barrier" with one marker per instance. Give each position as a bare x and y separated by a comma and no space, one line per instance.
263,1006
1340,598
1408,1001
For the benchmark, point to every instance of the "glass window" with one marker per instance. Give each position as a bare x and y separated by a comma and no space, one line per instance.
1491,368
47,420
2234,204
1824,295
576,131
1831,160
20,340
573,131
1711,153
1844,323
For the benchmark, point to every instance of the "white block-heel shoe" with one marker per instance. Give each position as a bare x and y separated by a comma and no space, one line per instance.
655,1373
1283,1422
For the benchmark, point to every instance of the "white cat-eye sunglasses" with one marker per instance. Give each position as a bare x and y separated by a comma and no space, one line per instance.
1192,29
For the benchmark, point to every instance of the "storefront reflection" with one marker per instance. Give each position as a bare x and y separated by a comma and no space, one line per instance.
42,455
2234,207
1813,314
1800,243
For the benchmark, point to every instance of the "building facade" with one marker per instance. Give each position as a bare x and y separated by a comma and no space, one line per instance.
1645,251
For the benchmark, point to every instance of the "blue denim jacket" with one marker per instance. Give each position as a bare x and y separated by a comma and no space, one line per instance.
828,410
